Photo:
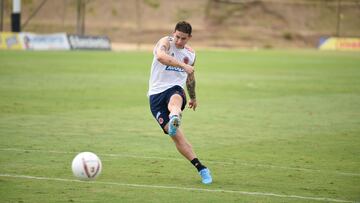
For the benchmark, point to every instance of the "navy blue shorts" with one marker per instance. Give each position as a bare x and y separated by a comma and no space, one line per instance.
159,104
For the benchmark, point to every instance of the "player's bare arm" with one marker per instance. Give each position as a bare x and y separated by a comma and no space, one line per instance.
164,58
190,85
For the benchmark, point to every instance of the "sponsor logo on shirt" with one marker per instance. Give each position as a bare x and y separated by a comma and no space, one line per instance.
177,69
172,68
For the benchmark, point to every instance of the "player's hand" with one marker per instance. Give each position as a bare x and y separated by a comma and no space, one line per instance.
192,104
188,69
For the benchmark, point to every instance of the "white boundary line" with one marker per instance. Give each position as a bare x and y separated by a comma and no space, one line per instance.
177,159
325,199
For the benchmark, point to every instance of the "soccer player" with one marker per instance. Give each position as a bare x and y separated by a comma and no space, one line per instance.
172,67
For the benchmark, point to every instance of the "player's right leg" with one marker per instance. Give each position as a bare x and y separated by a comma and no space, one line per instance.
167,106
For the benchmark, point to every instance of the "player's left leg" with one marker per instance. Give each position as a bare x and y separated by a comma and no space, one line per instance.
185,148
183,145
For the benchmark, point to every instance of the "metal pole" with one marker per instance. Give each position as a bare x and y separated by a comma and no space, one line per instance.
83,17
78,9
2,14
80,17
16,16
338,9
138,24
64,13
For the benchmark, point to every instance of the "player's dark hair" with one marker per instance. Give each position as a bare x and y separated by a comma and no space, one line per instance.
184,27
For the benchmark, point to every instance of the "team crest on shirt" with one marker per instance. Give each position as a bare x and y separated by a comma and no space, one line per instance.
186,60
189,48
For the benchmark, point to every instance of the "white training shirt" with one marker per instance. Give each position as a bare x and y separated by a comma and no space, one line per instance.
163,77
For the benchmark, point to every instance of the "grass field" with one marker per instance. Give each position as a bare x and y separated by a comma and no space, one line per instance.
273,126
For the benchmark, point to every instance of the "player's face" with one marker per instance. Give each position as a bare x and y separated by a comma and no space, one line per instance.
181,39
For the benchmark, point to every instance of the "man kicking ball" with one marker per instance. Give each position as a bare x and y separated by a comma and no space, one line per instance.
171,69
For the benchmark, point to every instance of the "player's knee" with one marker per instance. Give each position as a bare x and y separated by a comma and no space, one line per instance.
175,100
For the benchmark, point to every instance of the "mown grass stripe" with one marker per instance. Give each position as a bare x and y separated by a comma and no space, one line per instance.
179,159
324,199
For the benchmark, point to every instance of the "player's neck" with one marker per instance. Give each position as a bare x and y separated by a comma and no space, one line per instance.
179,47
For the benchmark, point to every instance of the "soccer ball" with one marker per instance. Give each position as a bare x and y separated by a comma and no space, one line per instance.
86,166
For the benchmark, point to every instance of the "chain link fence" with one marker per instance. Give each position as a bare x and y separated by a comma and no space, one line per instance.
221,23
